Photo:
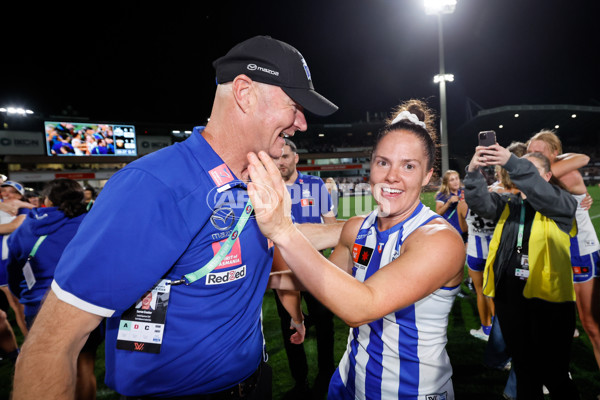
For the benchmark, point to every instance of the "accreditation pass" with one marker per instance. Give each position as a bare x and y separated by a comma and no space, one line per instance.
142,326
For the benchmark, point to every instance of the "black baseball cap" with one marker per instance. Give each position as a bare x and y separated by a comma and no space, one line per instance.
274,62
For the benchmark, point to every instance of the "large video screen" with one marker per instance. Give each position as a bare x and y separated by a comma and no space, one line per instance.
89,139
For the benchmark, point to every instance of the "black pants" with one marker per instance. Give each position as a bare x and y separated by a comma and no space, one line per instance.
538,336
322,319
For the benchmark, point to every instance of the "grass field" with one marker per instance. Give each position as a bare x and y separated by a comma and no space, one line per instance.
471,379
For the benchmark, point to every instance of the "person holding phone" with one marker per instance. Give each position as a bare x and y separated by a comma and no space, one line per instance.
527,271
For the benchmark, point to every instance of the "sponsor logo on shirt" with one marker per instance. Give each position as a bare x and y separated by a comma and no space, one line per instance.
221,175
222,218
219,278
233,258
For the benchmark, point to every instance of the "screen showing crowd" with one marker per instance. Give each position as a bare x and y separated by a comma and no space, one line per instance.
89,139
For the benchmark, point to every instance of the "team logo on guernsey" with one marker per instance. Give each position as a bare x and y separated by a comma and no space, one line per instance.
307,202
580,270
380,247
220,278
221,175
361,254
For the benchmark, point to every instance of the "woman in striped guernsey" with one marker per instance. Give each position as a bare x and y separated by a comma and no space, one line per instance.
392,277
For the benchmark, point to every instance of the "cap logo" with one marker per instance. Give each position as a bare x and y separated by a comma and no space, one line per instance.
306,69
254,67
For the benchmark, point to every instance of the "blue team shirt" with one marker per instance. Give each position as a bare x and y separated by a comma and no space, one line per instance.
4,250
164,216
59,231
310,199
451,214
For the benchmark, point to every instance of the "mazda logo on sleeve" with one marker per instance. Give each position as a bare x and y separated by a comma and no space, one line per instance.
222,218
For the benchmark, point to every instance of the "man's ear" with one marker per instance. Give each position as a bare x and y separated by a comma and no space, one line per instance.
244,92
296,158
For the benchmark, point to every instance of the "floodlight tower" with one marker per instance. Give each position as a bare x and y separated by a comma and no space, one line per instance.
438,8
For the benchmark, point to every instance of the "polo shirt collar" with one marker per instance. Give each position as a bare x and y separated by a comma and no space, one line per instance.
212,163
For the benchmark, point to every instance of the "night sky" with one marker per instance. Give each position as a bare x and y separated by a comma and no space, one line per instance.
131,62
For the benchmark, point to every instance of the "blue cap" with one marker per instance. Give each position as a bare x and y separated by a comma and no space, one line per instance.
16,185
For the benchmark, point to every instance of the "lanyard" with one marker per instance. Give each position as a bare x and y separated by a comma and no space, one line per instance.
521,229
36,246
192,277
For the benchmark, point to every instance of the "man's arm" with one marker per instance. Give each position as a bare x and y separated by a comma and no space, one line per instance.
47,365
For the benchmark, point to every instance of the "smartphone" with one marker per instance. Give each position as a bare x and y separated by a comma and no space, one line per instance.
487,138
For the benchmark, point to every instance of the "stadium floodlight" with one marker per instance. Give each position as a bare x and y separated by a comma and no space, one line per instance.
447,77
16,110
439,6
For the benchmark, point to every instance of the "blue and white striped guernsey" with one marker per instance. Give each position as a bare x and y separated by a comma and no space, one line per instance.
402,355
480,235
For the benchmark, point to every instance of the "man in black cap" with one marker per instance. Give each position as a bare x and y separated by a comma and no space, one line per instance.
194,242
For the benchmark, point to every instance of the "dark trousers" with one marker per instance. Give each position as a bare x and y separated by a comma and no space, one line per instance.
322,319
538,336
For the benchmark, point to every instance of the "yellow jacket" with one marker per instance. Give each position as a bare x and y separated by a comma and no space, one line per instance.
550,272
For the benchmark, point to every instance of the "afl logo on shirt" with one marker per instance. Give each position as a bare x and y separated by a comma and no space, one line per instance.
222,218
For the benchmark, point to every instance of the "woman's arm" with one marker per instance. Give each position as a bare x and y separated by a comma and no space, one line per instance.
322,236
462,210
568,162
290,299
549,200
397,285
483,202
546,198
12,226
441,207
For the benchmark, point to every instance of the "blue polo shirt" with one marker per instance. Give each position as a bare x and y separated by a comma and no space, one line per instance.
310,199
164,216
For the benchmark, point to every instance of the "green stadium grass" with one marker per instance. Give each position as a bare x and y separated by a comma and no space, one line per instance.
472,380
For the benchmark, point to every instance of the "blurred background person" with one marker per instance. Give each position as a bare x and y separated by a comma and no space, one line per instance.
34,250
13,197
447,198
311,203
333,190
89,197
33,197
